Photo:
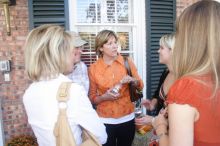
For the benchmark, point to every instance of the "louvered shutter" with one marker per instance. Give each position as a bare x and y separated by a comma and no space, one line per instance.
161,15
48,12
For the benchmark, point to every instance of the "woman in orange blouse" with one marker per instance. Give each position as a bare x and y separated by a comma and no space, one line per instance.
194,98
107,73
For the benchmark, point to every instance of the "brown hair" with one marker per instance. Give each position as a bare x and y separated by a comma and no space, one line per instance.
102,38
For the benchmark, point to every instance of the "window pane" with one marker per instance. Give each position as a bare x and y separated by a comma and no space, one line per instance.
88,11
104,11
123,39
122,11
110,11
88,55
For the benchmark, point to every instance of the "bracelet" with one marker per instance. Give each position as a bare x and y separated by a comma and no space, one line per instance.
162,134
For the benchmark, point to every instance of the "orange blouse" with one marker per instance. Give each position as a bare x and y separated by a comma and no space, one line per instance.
196,92
103,77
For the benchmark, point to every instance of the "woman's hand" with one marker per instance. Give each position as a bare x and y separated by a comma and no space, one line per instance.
128,79
160,122
110,95
143,120
149,104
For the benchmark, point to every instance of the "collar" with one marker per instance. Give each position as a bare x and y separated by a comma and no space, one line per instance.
77,65
119,60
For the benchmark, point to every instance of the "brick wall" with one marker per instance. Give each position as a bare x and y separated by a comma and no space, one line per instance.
14,118
11,48
182,4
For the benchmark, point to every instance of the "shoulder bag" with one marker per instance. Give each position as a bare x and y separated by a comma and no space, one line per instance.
135,93
62,130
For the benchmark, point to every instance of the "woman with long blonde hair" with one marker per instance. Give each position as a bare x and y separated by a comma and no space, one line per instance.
194,98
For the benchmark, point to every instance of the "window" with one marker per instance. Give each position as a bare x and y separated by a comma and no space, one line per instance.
125,17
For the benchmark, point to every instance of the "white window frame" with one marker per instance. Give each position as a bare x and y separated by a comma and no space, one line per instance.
139,33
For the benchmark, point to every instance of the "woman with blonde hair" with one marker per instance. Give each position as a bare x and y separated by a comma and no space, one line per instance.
194,98
110,92
166,80
49,57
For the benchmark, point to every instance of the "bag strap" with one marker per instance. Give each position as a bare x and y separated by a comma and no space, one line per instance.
62,126
63,96
127,66
63,92
129,73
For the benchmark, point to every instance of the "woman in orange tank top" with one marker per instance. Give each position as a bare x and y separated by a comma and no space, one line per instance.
194,98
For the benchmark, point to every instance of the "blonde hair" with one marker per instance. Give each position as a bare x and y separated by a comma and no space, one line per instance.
197,45
47,50
167,41
102,38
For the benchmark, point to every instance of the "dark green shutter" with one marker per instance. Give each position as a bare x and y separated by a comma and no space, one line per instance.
48,12
160,20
